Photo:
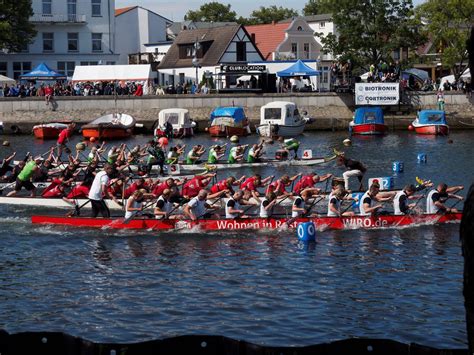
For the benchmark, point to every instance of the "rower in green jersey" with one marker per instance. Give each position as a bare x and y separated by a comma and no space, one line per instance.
236,154
215,153
193,156
24,178
255,153
291,144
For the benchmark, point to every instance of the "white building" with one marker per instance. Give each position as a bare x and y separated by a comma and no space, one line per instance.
69,33
135,27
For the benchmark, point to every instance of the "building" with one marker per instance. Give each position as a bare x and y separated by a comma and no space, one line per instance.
285,41
174,29
195,52
70,33
135,27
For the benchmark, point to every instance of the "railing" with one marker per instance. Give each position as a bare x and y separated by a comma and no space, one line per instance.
62,18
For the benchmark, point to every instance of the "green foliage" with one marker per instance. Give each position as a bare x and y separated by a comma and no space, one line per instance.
16,32
212,11
370,30
470,50
312,7
449,23
269,14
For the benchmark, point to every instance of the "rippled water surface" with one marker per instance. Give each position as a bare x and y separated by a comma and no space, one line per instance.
262,287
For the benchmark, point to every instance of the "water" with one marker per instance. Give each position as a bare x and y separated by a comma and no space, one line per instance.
123,286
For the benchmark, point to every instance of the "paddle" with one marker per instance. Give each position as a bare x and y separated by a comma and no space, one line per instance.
307,211
77,209
134,213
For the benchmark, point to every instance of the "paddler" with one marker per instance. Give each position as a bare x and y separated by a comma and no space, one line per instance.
236,154
156,156
337,195
252,183
194,155
233,206
290,145
198,208
63,138
5,167
216,152
436,198
134,204
98,191
164,207
169,184
255,152
192,187
227,185
25,176
279,186
400,201
354,168
307,182
267,204
366,208
174,154
298,208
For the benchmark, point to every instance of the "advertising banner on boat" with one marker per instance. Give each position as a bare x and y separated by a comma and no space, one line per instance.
377,93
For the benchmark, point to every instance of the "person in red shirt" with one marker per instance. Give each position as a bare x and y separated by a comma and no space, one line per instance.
169,184
227,185
63,138
48,94
135,186
307,182
279,186
252,183
192,187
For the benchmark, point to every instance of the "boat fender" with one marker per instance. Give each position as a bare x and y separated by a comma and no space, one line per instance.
421,157
397,166
15,129
306,232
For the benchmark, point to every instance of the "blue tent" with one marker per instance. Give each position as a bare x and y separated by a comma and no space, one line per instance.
368,115
43,72
237,113
431,117
299,69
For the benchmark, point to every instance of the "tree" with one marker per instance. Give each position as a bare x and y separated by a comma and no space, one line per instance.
470,50
270,14
212,12
370,30
16,32
449,23
312,7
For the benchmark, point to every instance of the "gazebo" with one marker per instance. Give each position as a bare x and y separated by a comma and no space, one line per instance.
43,72
299,69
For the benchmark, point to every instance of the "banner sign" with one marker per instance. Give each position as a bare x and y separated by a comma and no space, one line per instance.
377,93
242,68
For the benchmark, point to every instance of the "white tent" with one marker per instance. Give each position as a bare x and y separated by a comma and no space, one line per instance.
6,80
139,72
450,78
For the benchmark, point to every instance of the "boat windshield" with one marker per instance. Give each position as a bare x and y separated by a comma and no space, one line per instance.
172,118
273,113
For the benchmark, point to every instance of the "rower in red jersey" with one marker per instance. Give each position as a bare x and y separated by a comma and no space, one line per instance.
169,184
252,183
307,182
279,186
227,185
192,187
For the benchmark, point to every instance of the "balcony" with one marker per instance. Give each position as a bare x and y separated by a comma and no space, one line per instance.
58,19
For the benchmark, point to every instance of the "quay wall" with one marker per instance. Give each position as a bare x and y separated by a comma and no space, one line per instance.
330,111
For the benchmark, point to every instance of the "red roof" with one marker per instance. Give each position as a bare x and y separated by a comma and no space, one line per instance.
123,10
268,37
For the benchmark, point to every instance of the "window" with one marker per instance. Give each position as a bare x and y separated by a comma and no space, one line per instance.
3,68
109,63
325,76
47,8
24,48
73,42
96,8
322,24
306,50
89,63
66,68
171,79
48,41
97,42
20,68
71,9
241,51
299,28
181,80
294,49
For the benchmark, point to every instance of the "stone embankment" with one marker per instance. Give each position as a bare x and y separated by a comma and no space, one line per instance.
330,111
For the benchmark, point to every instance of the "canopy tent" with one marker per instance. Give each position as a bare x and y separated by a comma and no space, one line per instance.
139,72
6,80
237,113
299,69
432,116
364,115
418,73
451,79
43,72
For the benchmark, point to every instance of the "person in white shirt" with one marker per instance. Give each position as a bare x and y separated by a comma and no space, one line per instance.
198,208
436,198
366,208
233,206
134,204
335,199
266,207
98,191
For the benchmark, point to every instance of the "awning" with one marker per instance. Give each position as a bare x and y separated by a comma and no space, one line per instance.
43,72
299,69
139,72
6,80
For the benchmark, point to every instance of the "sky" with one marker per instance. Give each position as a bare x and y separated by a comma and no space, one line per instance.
175,10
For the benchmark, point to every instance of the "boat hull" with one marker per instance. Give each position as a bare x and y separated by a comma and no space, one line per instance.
227,131
368,129
436,129
322,223
106,133
183,132
48,130
282,131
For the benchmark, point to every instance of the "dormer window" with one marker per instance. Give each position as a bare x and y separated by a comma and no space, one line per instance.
322,24
299,28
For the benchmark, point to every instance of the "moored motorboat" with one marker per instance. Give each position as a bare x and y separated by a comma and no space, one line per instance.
228,121
368,121
111,126
178,118
431,122
49,130
280,118
321,223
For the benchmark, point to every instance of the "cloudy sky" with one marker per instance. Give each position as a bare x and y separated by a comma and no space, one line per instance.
175,10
